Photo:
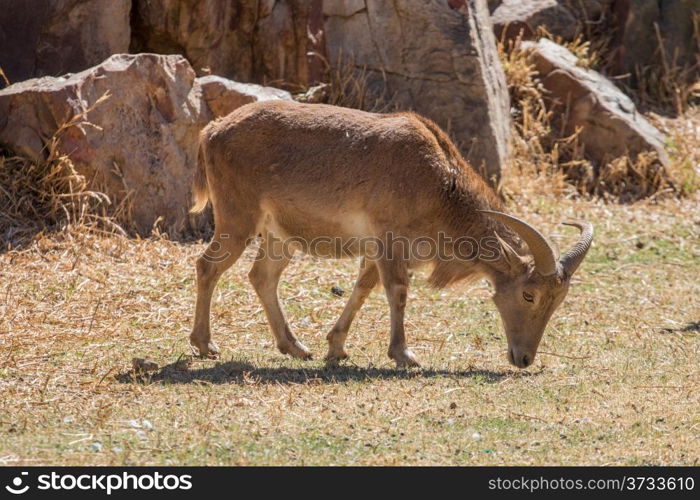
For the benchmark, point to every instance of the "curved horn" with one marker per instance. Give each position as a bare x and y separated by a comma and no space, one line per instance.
542,250
573,257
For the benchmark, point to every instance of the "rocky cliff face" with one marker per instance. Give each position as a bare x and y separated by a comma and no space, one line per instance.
285,41
649,33
245,40
437,58
54,37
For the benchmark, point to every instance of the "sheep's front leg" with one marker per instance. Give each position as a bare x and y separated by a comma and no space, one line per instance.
394,275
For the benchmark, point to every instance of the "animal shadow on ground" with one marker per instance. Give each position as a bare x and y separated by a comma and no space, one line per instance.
692,326
243,372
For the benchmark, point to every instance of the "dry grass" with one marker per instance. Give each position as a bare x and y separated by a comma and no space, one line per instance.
354,86
669,86
615,382
350,85
5,80
683,145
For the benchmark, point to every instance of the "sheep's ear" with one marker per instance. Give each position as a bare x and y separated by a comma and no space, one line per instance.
515,261
539,245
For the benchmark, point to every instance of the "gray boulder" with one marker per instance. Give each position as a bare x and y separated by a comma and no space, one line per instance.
610,124
222,96
513,18
144,150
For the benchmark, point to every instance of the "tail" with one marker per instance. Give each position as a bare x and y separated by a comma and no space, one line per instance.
200,188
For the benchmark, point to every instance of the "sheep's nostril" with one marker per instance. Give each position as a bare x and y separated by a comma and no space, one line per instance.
526,360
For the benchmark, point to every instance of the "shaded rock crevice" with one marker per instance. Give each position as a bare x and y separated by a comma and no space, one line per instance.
54,37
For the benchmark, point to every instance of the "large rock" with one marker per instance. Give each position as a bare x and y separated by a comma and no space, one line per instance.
438,58
246,40
53,37
610,124
223,96
635,42
522,18
146,146
566,19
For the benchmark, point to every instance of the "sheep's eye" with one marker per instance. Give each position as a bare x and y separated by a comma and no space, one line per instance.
528,297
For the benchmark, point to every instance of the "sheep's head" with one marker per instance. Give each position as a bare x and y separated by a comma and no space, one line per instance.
528,295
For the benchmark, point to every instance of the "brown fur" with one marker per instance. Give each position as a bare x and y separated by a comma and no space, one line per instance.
282,169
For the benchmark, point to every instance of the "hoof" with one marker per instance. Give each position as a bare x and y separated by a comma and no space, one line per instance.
335,355
204,349
404,358
296,350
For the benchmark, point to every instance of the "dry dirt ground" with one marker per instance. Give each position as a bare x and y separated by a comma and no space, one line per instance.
615,382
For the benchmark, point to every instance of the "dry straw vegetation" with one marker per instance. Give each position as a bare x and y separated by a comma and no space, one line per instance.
615,381
541,148
51,194
670,85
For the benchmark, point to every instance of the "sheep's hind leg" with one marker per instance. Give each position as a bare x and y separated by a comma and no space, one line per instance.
265,275
366,281
224,249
